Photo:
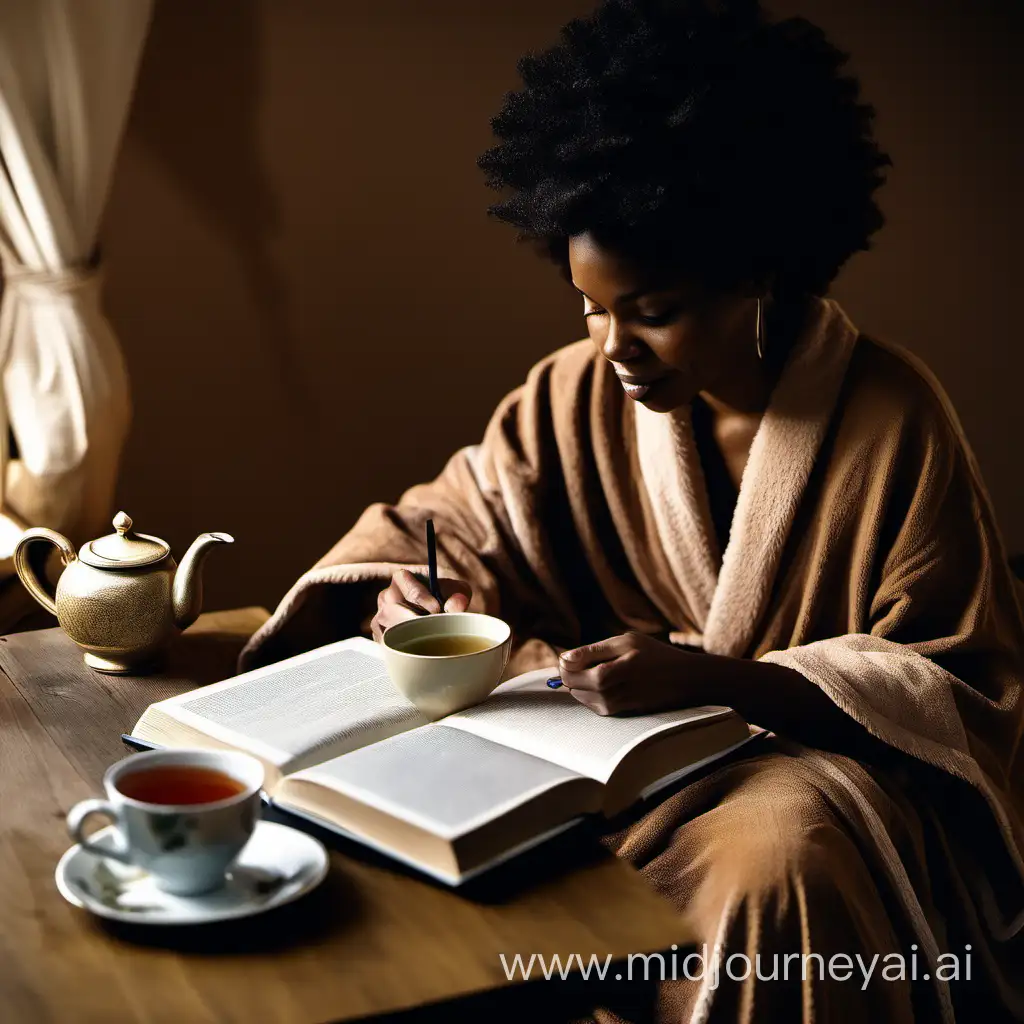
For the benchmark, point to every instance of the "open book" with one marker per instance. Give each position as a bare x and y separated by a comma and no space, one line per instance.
345,749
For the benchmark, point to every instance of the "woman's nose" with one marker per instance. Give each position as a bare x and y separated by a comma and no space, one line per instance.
618,346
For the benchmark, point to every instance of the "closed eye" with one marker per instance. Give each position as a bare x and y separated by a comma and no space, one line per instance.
648,321
659,321
662,318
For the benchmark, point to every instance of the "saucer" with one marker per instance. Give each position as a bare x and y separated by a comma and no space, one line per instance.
278,865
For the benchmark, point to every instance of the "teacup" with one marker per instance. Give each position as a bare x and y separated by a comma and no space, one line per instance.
442,683
182,815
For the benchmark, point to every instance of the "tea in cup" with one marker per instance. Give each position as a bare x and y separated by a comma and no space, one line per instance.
182,815
446,662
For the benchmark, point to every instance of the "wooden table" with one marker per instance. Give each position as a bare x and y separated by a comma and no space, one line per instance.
372,940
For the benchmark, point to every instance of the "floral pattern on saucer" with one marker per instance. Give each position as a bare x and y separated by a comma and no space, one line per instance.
278,865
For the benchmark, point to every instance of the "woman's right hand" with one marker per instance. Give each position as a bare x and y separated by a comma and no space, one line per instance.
406,598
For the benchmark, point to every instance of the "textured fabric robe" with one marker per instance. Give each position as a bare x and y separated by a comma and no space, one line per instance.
864,554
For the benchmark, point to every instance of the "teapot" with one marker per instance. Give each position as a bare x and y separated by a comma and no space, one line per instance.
122,598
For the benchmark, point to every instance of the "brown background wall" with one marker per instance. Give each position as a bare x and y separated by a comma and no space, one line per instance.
315,310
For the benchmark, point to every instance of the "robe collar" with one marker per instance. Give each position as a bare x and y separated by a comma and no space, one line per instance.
728,603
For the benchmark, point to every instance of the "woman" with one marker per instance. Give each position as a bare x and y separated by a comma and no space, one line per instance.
728,495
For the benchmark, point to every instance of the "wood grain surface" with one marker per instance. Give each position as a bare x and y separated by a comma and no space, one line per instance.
371,940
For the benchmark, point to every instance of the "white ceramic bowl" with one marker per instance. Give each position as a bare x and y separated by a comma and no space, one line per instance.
442,684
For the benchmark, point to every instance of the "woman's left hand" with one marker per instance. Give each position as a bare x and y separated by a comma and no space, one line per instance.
634,673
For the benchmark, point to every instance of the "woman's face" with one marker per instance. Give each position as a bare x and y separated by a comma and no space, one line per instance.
667,340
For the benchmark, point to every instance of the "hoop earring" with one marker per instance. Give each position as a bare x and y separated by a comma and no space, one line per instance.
759,328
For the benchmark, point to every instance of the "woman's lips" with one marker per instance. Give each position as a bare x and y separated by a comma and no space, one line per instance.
636,391
637,388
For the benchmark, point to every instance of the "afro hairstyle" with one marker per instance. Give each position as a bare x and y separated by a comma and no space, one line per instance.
692,136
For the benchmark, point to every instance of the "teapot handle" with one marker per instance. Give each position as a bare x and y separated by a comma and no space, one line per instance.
23,566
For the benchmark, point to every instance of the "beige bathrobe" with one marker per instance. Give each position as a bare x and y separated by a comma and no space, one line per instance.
863,554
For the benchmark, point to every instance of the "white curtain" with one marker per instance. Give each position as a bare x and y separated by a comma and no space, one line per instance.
67,71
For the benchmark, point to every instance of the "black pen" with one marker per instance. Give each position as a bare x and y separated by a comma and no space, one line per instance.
435,589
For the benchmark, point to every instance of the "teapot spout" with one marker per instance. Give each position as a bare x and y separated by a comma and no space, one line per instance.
187,589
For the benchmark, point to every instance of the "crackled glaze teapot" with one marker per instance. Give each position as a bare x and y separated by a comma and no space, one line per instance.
121,598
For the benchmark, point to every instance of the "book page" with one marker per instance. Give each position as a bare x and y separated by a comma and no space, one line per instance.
523,713
304,709
444,781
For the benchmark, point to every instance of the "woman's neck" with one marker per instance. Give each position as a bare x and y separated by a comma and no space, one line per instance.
747,388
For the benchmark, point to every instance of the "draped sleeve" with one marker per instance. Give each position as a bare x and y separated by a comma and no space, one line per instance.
931,660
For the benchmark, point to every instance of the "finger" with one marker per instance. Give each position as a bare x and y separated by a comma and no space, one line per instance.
391,595
414,592
458,602
394,598
594,654
592,680
595,702
449,587
395,613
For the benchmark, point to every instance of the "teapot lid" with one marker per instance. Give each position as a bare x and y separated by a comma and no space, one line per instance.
123,549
